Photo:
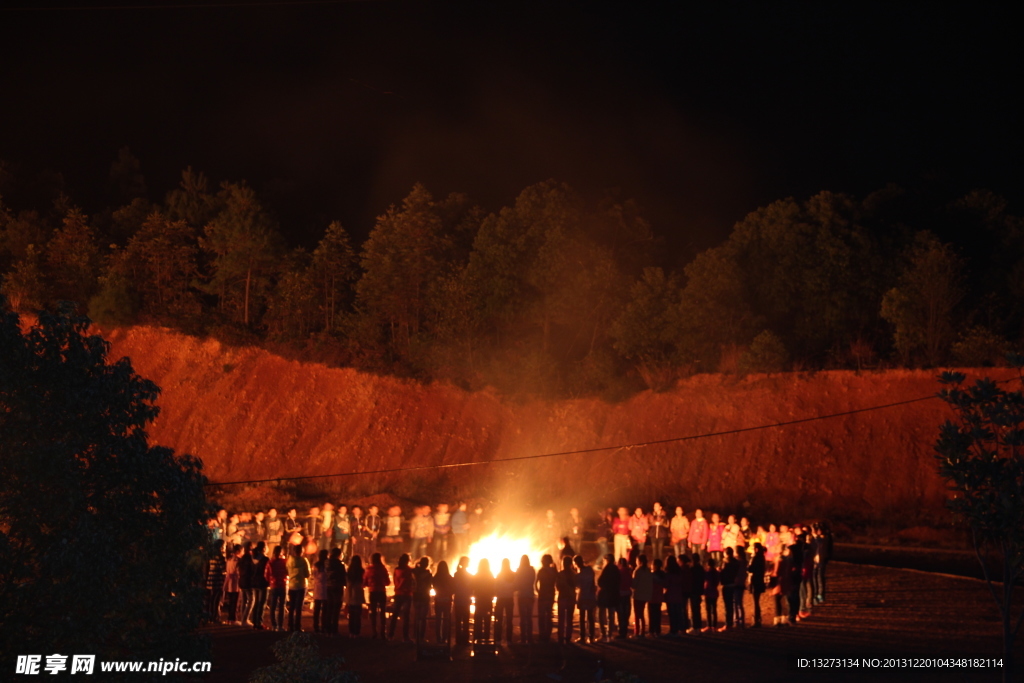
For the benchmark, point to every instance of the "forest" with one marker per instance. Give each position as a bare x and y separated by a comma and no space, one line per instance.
554,295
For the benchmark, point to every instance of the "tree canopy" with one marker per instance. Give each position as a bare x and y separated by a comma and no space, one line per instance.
556,292
101,535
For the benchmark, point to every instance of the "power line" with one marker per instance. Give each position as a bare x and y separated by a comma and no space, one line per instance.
629,446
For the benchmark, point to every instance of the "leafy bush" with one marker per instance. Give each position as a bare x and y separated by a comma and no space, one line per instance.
767,353
299,661
980,347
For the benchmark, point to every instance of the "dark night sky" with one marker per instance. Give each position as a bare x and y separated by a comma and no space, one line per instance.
335,110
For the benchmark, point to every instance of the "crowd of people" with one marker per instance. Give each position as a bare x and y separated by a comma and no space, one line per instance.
649,568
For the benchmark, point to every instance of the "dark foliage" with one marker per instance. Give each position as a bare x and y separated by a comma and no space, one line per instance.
553,294
101,536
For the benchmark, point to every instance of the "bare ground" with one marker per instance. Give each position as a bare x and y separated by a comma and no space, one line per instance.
871,612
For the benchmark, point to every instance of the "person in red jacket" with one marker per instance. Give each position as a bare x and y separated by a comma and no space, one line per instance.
404,584
377,580
276,574
638,526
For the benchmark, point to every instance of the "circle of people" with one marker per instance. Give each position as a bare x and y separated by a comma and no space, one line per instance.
265,562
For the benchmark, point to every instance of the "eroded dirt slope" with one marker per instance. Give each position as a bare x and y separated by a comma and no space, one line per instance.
250,414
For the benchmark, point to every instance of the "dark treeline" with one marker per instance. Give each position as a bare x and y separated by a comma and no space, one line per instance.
553,294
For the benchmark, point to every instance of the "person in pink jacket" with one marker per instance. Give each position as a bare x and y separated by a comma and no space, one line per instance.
638,526
699,534
715,530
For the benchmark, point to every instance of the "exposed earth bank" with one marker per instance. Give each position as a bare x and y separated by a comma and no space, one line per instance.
252,415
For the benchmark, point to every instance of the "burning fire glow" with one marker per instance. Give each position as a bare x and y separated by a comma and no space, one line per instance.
497,547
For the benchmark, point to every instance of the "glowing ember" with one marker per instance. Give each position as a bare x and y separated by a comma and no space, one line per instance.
497,547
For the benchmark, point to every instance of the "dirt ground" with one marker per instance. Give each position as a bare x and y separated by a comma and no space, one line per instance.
252,415
871,612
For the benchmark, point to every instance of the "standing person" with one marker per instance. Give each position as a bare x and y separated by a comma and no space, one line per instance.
460,530
245,582
739,587
260,528
247,529
823,553
786,537
356,523
355,597
688,583
715,530
342,528
586,599
574,531
675,595
565,584
391,544
679,531
231,531
483,599
320,592
605,532
547,577
526,578
807,543
658,531
624,606
608,597
731,535
643,589
696,593
423,582
276,574
442,531
638,526
504,591
620,530
657,596
730,569
275,531
711,584
298,573
789,580
403,598
757,569
462,587
421,531
328,532
216,567
222,525
444,593
377,581
745,539
292,531
698,537
371,531
312,527
337,580
259,586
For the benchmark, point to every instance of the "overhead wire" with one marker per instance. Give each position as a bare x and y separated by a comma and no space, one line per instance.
580,451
